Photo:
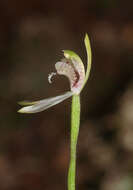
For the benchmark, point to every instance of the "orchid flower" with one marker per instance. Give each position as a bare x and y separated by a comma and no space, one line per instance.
70,66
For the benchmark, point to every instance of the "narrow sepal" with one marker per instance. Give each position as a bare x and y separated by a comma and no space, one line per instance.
89,57
26,103
45,104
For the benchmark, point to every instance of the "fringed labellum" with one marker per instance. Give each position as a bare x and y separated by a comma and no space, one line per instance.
74,71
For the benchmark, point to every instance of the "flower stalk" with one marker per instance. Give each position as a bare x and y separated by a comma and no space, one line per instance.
75,123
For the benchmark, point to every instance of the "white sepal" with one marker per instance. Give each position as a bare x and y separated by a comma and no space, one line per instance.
42,105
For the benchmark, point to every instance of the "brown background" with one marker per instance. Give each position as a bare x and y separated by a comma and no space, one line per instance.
34,149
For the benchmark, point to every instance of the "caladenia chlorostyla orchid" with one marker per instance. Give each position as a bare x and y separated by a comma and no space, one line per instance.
72,67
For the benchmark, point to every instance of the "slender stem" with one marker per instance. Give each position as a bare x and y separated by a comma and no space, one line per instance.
75,122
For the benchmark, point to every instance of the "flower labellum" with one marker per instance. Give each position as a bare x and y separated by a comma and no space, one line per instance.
75,72
70,66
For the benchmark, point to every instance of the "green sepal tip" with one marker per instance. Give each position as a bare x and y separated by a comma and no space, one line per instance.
89,57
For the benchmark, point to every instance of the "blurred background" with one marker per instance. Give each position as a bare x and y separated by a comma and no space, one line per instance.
34,149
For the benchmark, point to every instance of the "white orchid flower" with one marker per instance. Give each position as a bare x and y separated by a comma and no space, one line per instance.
72,67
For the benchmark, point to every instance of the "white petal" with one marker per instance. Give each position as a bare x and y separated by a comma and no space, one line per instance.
45,104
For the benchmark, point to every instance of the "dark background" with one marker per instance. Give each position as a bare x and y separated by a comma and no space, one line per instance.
34,149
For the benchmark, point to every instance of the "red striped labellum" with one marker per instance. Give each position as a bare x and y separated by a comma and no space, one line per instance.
74,71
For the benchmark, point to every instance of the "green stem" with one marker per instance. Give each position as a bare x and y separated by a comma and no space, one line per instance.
75,122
